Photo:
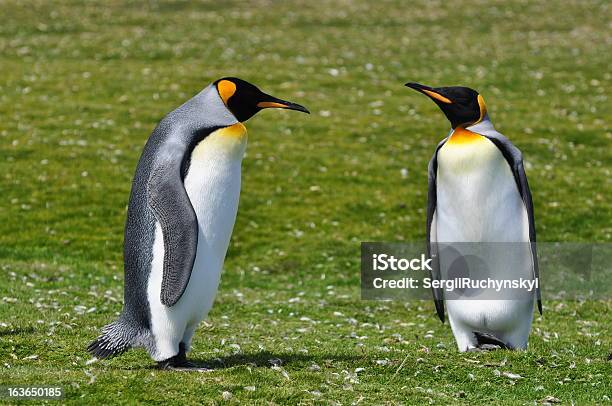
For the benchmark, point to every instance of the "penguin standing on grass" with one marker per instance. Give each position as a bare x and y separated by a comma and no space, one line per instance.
180,218
478,193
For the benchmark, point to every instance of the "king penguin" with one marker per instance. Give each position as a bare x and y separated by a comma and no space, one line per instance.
181,213
478,193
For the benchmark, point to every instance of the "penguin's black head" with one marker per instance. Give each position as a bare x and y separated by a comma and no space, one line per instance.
244,100
461,105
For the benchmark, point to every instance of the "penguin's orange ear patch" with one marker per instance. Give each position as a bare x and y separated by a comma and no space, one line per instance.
226,90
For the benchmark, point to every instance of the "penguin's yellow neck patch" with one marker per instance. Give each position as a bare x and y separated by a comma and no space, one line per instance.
227,141
226,90
463,136
237,131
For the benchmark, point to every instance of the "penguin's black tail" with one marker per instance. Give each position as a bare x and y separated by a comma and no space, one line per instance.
116,338
488,341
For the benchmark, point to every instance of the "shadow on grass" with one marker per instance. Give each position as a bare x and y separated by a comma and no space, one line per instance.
268,359
17,331
263,359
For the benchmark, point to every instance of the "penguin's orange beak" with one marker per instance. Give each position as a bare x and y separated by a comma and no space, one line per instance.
271,102
429,91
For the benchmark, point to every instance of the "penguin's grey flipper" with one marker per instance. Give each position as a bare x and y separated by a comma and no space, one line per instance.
168,199
432,249
486,341
526,195
515,159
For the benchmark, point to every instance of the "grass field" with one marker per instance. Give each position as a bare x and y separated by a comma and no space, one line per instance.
82,86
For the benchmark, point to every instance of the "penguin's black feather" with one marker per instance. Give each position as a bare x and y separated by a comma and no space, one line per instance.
432,252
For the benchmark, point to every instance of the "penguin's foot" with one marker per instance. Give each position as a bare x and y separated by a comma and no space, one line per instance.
488,342
174,362
180,363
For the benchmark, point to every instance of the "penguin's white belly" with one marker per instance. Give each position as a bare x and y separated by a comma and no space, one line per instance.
213,186
478,201
477,196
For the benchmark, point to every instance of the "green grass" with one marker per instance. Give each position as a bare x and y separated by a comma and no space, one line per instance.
82,86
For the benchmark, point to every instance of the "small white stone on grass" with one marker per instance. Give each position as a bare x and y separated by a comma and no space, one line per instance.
79,309
91,361
511,375
282,371
92,377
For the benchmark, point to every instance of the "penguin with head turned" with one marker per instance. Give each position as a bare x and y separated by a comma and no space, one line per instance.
181,213
478,193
